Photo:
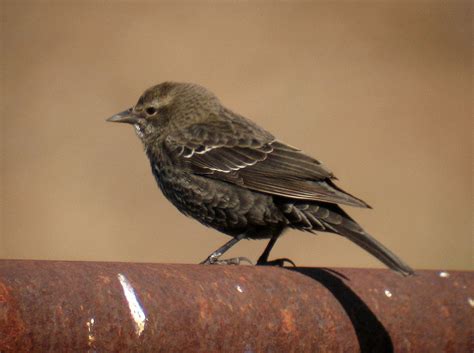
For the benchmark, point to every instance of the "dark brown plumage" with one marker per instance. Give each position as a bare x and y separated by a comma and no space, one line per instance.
230,174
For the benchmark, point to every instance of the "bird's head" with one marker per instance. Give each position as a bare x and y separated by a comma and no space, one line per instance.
168,106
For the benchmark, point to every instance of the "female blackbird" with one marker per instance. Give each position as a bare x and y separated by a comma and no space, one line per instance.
230,174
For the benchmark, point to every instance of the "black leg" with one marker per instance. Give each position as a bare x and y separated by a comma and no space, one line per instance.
214,257
263,259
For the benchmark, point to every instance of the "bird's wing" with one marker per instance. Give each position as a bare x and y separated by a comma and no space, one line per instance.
236,150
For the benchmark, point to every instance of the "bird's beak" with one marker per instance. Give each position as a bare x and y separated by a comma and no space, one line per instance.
127,116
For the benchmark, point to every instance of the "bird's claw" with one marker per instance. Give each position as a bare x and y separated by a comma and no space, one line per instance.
276,262
212,260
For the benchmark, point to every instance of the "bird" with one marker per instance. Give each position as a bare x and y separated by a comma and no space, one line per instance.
232,175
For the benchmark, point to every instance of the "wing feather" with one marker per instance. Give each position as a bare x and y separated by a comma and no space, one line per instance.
235,150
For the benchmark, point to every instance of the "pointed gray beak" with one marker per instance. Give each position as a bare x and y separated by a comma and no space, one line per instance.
127,116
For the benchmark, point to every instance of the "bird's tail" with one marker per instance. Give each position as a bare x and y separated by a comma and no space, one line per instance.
367,242
331,218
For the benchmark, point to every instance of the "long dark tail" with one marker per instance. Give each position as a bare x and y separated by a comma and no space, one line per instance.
331,218
367,242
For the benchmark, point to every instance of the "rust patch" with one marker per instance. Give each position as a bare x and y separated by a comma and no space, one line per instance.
104,279
203,309
288,321
12,327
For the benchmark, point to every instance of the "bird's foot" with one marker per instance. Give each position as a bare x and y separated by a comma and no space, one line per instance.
276,262
214,260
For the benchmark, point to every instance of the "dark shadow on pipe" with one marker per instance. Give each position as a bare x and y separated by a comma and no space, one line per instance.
371,334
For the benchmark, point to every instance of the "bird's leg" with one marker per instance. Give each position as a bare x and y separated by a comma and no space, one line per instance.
263,259
214,257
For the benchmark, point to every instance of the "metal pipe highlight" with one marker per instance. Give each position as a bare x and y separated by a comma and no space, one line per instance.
58,306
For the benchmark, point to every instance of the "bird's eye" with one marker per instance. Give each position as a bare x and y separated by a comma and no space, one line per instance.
150,111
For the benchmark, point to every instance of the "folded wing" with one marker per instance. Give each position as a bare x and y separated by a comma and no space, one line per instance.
237,151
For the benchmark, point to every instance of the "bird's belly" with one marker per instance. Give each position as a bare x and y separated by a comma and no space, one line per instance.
228,208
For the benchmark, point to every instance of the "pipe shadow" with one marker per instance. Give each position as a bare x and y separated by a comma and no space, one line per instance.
371,334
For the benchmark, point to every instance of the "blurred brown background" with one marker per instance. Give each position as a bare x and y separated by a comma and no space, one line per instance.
379,91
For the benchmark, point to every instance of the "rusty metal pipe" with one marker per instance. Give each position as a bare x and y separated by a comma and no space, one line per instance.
55,306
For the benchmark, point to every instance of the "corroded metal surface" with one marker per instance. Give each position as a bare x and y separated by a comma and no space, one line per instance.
52,306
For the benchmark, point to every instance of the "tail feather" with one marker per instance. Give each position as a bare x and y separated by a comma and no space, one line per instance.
374,247
331,218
